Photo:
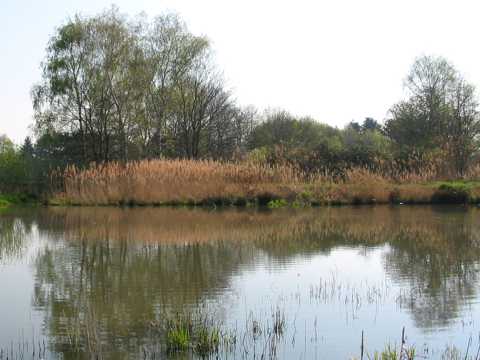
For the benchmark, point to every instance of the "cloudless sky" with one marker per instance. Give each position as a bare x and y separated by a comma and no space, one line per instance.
336,60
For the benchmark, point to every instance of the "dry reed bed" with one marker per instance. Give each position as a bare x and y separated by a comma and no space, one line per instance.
194,182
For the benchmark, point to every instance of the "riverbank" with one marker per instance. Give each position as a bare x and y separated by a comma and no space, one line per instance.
413,194
14,199
209,183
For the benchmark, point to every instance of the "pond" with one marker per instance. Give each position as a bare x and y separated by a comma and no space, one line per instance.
111,283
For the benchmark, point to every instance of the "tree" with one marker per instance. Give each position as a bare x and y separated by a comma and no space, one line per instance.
170,52
355,126
61,101
364,148
463,129
440,112
199,103
6,145
370,124
129,89
12,167
280,128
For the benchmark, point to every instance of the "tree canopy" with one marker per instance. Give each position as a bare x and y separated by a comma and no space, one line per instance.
441,112
135,89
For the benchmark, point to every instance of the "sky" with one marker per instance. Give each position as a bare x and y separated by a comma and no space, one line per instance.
335,60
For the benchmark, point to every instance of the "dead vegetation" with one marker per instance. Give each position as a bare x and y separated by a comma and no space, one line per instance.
206,182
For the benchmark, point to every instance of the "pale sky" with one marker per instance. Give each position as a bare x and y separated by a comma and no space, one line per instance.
336,60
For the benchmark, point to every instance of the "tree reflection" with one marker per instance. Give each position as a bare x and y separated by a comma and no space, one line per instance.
13,237
128,266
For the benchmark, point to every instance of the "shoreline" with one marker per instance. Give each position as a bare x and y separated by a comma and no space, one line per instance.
435,193
275,196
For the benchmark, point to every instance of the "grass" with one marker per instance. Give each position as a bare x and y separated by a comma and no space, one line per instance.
7,200
392,353
208,341
4,203
178,339
186,332
211,183
192,334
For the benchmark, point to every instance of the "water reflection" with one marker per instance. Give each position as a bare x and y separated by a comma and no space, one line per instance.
13,233
125,267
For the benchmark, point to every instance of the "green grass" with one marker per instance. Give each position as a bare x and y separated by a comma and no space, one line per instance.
391,353
7,200
457,191
178,339
278,203
469,184
208,341
185,333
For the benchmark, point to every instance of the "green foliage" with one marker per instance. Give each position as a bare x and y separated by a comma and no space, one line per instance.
183,332
452,192
177,340
278,203
12,167
178,334
281,129
4,202
208,341
365,147
259,155
441,112
315,147
152,92
16,198
390,353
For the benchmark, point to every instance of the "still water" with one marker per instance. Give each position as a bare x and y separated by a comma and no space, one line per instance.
82,281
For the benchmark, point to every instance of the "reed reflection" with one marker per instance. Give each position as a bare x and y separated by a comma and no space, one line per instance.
123,268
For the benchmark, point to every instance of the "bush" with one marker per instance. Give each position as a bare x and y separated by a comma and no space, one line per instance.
452,193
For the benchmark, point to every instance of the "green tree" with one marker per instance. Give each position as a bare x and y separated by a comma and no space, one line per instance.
131,89
441,112
12,167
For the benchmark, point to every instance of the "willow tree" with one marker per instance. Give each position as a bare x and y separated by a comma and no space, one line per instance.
87,62
61,101
170,51
133,89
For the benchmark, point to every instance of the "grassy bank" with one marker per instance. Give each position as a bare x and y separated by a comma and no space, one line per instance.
7,200
185,182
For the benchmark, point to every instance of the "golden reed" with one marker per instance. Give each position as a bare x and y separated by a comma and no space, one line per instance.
173,182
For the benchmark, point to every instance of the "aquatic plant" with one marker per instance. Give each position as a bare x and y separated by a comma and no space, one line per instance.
278,323
177,333
207,341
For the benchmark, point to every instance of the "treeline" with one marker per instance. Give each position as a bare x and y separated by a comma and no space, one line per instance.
121,89
131,89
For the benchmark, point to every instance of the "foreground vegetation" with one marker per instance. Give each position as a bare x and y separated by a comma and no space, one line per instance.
199,336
